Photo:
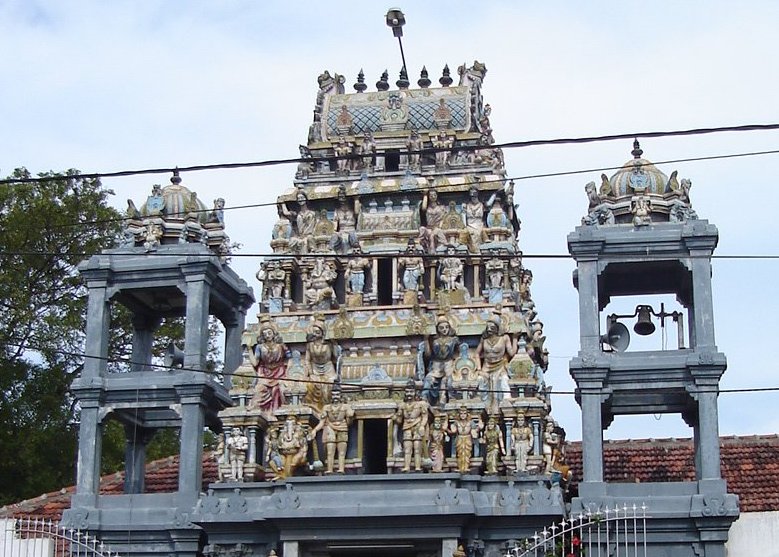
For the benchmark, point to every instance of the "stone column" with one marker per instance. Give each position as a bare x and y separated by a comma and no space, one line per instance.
233,348
191,442
592,437
135,457
90,446
702,325
291,549
708,435
448,547
589,314
143,337
251,458
196,327
96,341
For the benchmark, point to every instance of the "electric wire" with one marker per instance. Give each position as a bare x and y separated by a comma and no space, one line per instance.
429,150
236,373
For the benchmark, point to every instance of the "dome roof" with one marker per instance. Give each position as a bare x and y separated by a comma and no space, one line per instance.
638,175
179,201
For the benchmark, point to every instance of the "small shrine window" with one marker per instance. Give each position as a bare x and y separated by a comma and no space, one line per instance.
392,161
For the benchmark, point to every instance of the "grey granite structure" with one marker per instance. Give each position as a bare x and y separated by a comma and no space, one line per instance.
642,237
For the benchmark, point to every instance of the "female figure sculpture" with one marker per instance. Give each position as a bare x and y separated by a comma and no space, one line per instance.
269,359
320,363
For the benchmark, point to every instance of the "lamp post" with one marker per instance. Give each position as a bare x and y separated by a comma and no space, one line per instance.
396,20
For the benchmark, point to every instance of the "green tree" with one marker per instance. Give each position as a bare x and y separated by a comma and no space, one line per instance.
46,229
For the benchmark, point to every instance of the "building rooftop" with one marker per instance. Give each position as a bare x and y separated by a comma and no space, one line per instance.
744,460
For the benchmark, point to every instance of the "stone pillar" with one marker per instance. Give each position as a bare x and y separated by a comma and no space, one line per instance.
537,445
143,338
96,342
196,327
291,549
592,436
90,446
251,458
135,457
232,347
702,322
191,442
509,441
589,314
448,547
708,436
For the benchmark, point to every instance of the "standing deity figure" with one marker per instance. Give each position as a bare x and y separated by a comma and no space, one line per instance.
522,442
413,267
334,420
444,142
430,234
273,457
440,353
551,446
494,448
320,360
474,220
414,146
345,222
450,272
269,359
465,431
493,354
237,445
293,446
412,415
354,276
305,220
438,437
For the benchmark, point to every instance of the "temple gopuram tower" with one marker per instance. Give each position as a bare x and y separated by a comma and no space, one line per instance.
392,392
642,238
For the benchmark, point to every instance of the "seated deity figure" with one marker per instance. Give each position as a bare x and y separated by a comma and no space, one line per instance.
293,446
493,354
320,363
494,448
412,415
317,285
334,419
269,358
450,272
522,442
440,353
465,431
305,220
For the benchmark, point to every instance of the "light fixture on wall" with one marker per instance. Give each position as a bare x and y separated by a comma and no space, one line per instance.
617,337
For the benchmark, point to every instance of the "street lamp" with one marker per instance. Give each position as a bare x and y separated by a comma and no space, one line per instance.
396,20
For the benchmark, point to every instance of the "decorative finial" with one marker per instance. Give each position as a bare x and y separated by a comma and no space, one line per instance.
424,81
175,179
360,86
383,83
403,82
636,152
446,79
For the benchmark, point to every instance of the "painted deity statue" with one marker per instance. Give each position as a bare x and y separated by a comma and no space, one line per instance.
450,272
474,219
493,441
522,442
293,446
412,415
440,353
438,437
465,431
269,359
354,276
430,234
551,446
237,445
318,283
334,420
345,222
493,354
273,457
413,267
320,361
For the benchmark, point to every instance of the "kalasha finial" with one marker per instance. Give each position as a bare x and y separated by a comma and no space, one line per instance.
424,82
360,86
636,152
175,179
446,79
383,83
403,82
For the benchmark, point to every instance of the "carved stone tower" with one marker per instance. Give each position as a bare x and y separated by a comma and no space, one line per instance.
641,237
171,265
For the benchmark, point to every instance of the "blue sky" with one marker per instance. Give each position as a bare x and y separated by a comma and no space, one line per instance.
105,86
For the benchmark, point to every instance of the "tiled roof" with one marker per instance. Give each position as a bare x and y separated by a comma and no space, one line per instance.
749,464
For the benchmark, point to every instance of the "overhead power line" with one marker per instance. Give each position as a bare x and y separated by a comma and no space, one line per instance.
430,150
236,373
466,183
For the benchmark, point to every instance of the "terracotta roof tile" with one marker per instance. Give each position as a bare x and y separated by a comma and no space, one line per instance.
750,465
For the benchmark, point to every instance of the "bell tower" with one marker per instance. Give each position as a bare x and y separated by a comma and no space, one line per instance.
641,237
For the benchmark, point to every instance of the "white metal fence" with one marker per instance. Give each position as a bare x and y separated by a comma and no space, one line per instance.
617,532
36,537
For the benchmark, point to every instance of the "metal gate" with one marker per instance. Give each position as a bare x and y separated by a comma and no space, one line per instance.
617,532
37,537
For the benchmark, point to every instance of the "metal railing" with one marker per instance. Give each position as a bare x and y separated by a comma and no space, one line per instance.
617,532
38,537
